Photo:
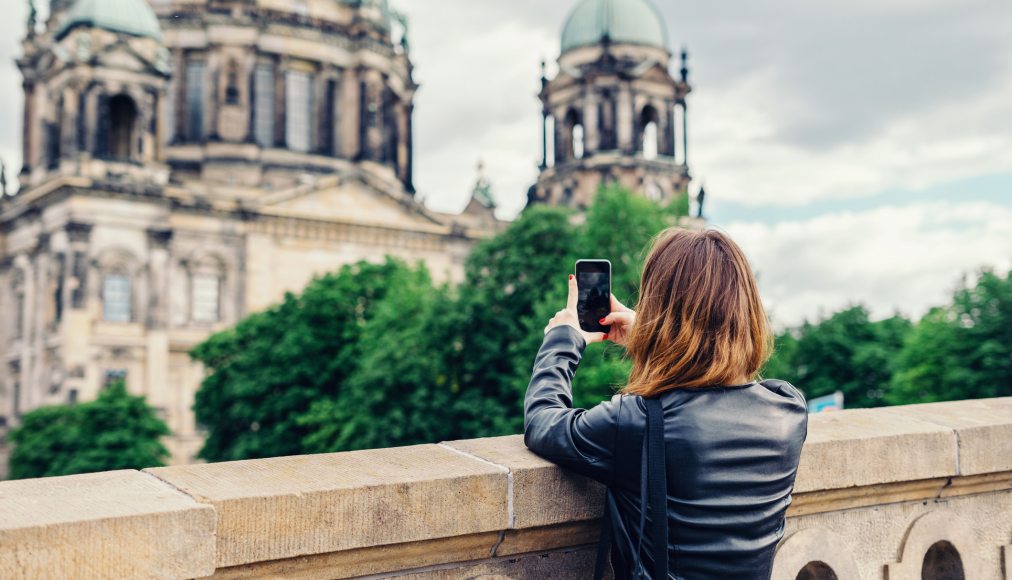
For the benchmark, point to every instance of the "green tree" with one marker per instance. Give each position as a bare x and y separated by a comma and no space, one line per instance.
846,352
960,351
267,371
115,431
507,277
402,391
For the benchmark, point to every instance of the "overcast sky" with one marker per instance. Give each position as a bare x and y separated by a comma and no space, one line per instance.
860,150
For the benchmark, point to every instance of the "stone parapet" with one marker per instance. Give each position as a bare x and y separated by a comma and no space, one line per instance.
882,493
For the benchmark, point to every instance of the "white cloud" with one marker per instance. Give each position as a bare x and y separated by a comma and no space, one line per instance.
905,258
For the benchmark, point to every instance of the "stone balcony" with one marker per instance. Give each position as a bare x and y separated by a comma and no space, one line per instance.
923,491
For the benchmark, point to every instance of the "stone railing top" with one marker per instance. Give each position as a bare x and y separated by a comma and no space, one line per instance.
189,521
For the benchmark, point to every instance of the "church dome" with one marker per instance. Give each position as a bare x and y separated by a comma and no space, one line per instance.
381,7
621,21
127,16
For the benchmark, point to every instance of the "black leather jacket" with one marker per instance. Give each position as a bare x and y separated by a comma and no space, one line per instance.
732,455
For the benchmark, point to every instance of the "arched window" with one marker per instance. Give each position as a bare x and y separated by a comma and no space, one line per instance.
649,143
206,297
206,274
232,83
816,571
263,104
578,142
942,562
117,294
122,120
298,110
573,135
195,100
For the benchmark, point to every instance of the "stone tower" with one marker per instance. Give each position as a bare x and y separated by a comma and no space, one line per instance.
613,113
93,86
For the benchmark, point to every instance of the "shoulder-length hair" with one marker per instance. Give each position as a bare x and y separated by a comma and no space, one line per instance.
699,320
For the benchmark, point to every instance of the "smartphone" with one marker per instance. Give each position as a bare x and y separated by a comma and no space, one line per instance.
593,281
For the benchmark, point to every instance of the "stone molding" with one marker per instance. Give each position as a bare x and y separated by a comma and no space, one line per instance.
490,507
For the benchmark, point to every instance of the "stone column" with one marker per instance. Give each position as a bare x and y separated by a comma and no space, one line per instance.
685,134
409,138
625,119
36,383
591,124
544,139
28,134
71,104
178,100
350,118
157,364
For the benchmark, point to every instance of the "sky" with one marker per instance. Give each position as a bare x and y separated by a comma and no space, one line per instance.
860,151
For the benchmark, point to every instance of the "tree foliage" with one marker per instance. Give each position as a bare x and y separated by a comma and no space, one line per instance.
960,351
845,352
268,370
115,431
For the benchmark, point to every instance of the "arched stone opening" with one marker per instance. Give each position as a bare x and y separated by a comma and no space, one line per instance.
814,554
816,571
939,545
942,562
649,136
573,135
232,83
122,122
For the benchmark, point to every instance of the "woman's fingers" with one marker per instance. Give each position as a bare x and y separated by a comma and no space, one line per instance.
617,306
592,337
619,318
574,294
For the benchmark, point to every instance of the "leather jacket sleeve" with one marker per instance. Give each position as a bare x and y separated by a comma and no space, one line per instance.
579,439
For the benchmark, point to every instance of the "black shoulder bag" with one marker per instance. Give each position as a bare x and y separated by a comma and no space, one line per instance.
653,493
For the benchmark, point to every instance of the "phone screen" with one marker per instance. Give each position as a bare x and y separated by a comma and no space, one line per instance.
593,279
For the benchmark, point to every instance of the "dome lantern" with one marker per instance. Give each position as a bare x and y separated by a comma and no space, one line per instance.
616,21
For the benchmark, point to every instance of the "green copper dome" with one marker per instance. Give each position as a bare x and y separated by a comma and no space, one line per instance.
382,5
623,21
128,16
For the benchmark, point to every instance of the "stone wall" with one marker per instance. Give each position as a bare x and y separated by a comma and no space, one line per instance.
891,494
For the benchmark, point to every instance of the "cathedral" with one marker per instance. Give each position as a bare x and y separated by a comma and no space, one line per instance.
187,162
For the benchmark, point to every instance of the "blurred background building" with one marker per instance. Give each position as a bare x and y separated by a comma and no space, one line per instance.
187,162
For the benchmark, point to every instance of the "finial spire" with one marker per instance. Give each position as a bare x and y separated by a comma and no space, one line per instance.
482,190
33,17
685,64
3,179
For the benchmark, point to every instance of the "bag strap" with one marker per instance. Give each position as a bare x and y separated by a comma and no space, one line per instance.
653,487
657,486
627,447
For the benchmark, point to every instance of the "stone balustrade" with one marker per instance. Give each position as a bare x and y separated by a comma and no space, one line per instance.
922,491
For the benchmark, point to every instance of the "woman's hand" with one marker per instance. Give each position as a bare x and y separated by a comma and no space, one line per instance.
568,316
621,321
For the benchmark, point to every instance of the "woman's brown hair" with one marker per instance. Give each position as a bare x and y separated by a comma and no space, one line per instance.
699,320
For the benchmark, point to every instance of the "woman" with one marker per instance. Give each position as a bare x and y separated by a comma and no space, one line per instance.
731,444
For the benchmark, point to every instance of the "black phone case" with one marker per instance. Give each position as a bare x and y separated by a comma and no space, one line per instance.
590,319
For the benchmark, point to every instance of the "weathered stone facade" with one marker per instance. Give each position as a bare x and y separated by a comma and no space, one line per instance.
920,492
187,167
